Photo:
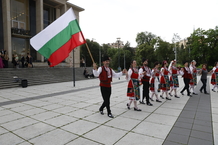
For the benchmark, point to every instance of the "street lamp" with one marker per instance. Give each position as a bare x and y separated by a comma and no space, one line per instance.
118,44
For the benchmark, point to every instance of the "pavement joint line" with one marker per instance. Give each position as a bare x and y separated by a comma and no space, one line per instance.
15,135
131,130
197,98
48,95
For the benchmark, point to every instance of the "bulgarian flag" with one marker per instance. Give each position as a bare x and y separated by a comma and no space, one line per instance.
57,40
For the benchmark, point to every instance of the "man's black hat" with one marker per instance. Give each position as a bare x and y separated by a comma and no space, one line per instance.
105,58
144,59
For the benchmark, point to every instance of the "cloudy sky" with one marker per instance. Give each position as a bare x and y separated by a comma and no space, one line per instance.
106,20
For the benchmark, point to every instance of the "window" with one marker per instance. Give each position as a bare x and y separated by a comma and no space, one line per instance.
20,14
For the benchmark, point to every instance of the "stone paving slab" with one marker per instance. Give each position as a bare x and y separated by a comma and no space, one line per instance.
62,114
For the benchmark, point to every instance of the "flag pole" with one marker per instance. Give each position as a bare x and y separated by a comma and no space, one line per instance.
90,53
73,70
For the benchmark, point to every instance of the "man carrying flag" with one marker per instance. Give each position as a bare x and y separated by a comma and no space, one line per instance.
57,40
105,74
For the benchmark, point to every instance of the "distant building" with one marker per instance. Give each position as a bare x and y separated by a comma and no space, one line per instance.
183,42
20,20
118,44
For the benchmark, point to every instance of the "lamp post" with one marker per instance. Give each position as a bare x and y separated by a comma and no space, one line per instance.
118,44
124,65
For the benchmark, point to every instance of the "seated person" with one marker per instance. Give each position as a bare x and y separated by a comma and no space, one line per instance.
86,74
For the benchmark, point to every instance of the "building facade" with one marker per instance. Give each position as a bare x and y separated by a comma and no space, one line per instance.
20,20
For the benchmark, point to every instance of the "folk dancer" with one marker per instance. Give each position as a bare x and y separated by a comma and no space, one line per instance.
154,82
193,80
174,82
133,90
214,77
105,74
164,80
204,73
186,78
145,71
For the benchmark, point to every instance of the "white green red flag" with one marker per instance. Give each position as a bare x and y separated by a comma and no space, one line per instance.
57,40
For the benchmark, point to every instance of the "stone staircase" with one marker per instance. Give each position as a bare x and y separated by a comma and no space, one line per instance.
38,76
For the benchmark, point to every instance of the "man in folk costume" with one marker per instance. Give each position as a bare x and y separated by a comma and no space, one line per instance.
164,80
133,91
146,72
193,80
186,78
174,82
154,82
214,77
105,74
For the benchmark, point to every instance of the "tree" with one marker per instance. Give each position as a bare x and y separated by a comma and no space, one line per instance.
94,49
145,37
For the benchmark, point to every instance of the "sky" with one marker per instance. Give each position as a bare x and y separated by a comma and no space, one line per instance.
106,20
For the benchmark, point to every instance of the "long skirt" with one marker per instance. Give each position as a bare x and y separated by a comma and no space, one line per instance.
213,79
154,85
165,83
174,82
133,91
193,80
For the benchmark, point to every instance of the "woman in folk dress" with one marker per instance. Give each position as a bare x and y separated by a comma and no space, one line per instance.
193,80
164,80
133,91
174,82
214,77
154,82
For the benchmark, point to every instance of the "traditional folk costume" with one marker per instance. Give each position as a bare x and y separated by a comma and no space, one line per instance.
133,91
193,79
145,81
154,83
214,78
174,82
186,78
105,75
165,82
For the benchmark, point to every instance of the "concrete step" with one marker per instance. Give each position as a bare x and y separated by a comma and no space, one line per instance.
38,76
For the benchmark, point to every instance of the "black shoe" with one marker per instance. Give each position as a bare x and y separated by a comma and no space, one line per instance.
110,115
207,93
177,96
168,98
161,96
149,104
101,112
137,109
170,94
190,95
128,105
213,90
141,102
158,101
151,99
201,91
194,93
182,93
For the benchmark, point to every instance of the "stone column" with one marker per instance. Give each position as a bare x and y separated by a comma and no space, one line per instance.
58,13
6,12
63,9
39,23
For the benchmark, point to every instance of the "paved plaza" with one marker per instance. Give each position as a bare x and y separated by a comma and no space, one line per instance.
60,114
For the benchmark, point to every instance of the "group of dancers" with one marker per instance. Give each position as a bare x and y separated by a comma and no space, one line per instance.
165,79
153,80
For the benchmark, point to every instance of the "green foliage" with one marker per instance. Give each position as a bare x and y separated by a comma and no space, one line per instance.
202,46
94,49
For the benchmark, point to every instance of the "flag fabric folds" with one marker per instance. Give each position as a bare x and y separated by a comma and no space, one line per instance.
57,40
